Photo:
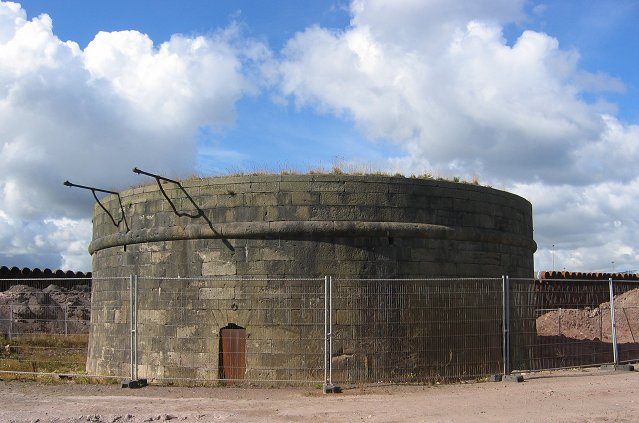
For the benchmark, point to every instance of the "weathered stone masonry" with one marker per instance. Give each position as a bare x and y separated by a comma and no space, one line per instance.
290,226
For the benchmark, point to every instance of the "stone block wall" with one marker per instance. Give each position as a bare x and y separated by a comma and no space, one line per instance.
303,225
285,226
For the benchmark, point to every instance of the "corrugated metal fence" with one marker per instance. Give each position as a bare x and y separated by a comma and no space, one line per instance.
325,330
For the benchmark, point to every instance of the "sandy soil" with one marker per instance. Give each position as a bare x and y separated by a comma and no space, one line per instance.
589,395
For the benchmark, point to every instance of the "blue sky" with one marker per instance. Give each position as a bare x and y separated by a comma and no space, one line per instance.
264,135
274,21
535,97
604,33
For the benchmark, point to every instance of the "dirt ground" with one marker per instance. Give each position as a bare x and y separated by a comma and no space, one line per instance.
589,395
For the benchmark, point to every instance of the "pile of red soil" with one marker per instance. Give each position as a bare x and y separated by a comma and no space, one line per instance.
595,323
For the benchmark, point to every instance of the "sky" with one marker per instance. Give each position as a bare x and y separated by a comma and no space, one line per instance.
540,98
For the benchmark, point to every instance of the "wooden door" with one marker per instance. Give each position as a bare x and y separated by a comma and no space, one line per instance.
233,353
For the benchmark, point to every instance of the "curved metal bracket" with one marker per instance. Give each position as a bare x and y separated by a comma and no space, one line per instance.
200,212
93,191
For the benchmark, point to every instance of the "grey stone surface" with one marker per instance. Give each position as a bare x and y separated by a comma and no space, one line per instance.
283,226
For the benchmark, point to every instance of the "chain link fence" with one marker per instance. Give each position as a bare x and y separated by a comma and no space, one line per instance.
415,330
230,330
570,323
317,330
44,326
112,312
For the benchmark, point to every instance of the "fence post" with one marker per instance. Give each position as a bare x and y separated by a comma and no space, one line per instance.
132,324
615,351
506,323
10,321
66,324
135,325
559,322
326,360
330,330
328,337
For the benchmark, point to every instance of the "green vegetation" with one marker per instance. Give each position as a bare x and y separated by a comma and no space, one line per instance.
338,168
43,353
348,171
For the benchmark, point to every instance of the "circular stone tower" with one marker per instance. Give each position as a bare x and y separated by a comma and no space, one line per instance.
298,226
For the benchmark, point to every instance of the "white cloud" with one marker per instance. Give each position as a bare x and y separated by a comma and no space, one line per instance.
435,77
590,226
91,115
426,25
476,101
438,79
184,82
70,237
54,243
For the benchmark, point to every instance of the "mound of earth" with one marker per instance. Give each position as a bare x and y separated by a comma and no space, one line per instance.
26,309
76,300
595,324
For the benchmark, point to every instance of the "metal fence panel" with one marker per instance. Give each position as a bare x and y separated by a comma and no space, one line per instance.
111,309
626,319
274,330
567,323
227,331
44,325
416,330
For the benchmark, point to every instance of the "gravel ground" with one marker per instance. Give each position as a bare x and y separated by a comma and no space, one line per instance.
590,395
